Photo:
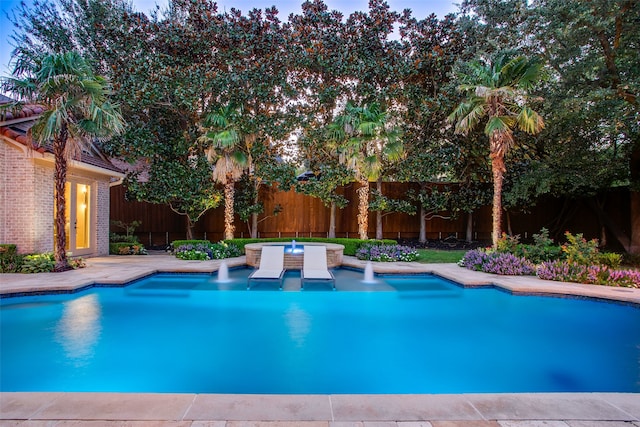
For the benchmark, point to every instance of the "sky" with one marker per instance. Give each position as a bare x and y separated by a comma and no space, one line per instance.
420,9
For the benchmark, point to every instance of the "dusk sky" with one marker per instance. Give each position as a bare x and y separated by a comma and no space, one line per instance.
420,8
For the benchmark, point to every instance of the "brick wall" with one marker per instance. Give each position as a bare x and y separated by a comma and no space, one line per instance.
27,200
22,219
102,218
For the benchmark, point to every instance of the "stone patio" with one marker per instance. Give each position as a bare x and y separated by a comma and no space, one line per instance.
217,410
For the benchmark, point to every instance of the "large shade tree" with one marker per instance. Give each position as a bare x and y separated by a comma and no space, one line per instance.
497,91
77,110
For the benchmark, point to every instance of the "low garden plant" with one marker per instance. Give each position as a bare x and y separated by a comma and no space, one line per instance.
128,243
386,253
497,262
203,250
578,260
127,248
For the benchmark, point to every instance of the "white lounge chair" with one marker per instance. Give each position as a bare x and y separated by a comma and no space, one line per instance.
314,266
271,266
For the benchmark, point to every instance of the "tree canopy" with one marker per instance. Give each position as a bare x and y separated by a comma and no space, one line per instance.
290,78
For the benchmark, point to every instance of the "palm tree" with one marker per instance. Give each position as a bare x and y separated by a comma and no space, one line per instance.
363,142
498,92
77,108
230,161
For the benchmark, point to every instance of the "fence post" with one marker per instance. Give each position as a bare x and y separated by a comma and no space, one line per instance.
279,234
296,234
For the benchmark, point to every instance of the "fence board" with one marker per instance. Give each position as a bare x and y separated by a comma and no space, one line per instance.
304,216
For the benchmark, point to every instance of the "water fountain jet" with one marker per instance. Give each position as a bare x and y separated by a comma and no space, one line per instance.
368,273
223,273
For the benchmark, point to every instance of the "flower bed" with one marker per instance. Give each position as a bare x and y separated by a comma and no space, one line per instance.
386,253
578,260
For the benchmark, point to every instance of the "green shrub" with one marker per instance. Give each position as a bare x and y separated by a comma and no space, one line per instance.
124,248
118,238
10,261
580,251
543,249
610,259
508,244
38,263
350,245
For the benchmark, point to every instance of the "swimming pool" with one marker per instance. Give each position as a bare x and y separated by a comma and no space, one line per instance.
183,333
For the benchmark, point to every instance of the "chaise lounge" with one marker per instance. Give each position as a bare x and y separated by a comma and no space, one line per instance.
271,266
314,266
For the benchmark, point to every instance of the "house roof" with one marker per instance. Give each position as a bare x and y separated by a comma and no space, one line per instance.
16,126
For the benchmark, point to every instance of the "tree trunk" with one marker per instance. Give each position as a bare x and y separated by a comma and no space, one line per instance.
634,246
422,237
190,226
253,226
363,209
253,229
634,198
332,221
379,213
60,180
228,209
469,236
497,169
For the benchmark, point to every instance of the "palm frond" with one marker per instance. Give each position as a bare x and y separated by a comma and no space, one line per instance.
499,124
371,167
226,139
529,121
475,111
394,151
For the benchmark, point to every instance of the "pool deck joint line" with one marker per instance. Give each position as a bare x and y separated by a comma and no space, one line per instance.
223,410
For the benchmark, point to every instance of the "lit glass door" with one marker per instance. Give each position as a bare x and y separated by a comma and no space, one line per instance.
78,224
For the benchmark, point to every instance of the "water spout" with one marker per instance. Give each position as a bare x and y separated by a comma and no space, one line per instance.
368,273
293,245
223,273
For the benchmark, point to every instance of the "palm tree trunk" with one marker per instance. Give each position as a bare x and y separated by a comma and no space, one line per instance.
497,169
60,180
363,209
379,213
228,209
332,221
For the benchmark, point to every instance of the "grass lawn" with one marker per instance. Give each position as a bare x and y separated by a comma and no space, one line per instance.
430,256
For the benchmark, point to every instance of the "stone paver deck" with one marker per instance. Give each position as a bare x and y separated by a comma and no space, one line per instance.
220,410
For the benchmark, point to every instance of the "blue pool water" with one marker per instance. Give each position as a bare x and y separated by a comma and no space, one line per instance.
182,333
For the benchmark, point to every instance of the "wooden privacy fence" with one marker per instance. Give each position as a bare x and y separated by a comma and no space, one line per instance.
306,216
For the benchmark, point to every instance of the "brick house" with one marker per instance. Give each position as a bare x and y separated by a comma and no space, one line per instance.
27,191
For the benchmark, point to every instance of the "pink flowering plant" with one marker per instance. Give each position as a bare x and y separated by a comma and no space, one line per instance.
578,260
502,263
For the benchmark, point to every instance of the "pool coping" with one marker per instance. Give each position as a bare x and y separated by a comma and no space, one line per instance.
218,410
120,270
